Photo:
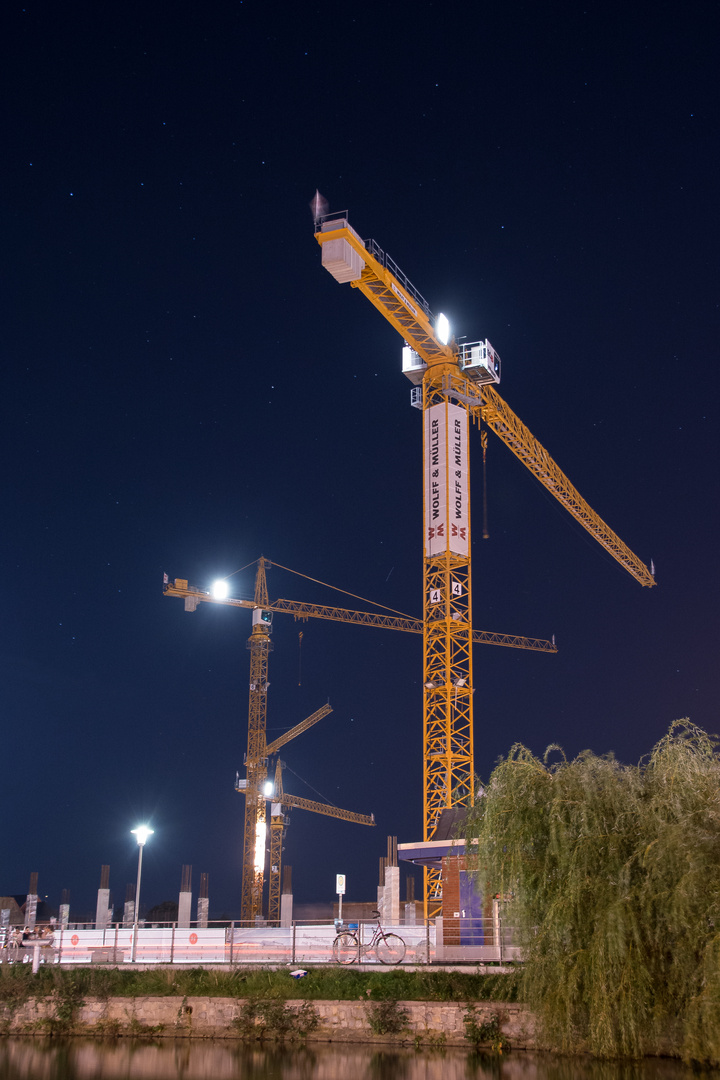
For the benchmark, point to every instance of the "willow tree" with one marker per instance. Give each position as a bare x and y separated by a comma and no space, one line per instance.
613,876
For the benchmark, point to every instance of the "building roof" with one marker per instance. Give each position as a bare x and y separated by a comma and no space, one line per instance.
448,839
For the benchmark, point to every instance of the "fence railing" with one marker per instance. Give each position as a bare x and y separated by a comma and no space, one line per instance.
233,943
435,940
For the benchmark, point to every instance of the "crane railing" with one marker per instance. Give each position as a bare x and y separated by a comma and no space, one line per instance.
384,259
339,218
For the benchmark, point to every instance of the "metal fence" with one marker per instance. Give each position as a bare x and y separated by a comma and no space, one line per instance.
233,943
436,940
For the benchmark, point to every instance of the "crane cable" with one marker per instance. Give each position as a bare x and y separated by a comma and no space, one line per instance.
483,443
270,563
344,591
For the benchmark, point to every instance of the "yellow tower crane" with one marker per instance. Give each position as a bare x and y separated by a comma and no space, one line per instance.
451,384
258,750
253,786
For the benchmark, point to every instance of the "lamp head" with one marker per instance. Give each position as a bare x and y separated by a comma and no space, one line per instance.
141,834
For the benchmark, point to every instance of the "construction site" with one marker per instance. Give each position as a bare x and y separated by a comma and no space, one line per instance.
454,384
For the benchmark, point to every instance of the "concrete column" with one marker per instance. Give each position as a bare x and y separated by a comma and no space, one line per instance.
64,915
184,908
391,898
31,904
203,906
129,913
286,909
102,912
410,914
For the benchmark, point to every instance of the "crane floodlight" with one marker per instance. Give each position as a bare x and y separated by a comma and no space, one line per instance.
442,329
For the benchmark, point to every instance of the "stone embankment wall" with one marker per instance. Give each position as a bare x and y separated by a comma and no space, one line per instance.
205,1017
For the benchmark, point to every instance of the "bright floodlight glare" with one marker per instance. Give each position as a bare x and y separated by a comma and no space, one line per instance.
220,589
141,833
268,787
260,835
442,328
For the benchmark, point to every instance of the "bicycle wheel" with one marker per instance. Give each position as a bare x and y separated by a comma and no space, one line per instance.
390,949
345,948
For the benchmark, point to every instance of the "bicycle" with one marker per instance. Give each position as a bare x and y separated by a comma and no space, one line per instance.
389,948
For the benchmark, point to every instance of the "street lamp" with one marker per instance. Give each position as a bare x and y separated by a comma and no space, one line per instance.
141,834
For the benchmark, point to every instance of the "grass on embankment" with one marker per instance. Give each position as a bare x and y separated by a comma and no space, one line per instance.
17,983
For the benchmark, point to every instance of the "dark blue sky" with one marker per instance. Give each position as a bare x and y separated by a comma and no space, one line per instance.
185,388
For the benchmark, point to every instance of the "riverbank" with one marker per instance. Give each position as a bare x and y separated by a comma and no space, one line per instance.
419,1023
324,1003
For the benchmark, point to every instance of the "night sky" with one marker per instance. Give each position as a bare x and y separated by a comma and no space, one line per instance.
185,389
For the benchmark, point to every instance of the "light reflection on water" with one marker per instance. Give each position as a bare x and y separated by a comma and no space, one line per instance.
208,1059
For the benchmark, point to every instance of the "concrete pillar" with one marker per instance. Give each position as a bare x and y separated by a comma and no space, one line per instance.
203,905
129,913
185,899
102,912
31,904
410,913
31,901
64,915
391,897
184,908
286,909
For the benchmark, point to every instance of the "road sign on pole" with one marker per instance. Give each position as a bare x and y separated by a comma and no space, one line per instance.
340,890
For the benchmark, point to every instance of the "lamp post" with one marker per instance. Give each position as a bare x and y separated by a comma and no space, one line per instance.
141,834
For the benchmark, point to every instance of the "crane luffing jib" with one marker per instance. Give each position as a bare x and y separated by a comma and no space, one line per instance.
369,269
503,421
317,807
497,414
310,721
192,595
328,811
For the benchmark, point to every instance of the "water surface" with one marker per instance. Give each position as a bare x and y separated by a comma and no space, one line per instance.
220,1059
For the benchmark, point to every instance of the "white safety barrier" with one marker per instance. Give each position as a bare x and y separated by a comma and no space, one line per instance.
450,940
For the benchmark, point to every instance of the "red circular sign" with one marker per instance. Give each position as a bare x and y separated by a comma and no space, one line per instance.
193,939
74,939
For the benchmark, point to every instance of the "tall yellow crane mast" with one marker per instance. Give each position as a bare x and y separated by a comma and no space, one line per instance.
255,831
451,384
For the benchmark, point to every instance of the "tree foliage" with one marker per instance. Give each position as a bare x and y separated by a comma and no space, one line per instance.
613,875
